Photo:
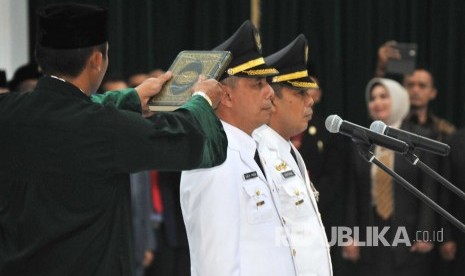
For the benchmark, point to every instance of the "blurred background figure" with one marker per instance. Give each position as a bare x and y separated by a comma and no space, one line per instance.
374,199
3,83
453,250
112,82
25,78
422,91
156,72
141,203
136,79
172,251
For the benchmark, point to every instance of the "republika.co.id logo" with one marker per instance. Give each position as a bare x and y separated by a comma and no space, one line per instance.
376,236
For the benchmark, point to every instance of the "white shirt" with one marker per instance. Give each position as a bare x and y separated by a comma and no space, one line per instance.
232,223
295,202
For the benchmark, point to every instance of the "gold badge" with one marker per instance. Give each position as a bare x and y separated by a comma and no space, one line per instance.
258,42
281,166
312,130
297,203
320,145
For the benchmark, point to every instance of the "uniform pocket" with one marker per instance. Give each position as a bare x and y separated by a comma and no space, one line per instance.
259,206
295,199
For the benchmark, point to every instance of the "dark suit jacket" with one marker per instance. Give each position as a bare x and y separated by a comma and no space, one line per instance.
324,155
141,206
64,183
174,228
409,211
457,205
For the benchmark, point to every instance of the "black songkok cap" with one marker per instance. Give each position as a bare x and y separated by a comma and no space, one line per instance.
246,49
291,61
72,26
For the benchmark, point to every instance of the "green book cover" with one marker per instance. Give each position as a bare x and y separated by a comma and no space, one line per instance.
186,69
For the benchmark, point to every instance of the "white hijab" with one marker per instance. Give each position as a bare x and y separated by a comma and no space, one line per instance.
399,97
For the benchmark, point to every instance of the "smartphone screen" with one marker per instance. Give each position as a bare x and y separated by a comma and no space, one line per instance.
407,61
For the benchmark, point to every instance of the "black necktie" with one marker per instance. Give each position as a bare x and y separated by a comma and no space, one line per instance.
293,155
259,163
295,159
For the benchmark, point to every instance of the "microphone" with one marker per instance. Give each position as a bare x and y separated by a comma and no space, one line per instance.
413,140
335,124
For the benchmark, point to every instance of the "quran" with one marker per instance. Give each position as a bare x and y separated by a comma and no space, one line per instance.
186,69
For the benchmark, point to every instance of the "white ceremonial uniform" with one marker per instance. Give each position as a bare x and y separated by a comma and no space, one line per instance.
296,203
232,224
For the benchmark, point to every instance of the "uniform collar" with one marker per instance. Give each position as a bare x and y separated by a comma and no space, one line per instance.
272,137
239,140
48,83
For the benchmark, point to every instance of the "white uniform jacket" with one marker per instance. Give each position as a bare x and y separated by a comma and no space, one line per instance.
232,224
295,201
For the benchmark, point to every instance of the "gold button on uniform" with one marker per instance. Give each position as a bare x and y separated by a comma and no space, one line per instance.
294,252
312,130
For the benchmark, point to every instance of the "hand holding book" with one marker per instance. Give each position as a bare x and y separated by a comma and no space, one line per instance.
150,87
212,88
186,68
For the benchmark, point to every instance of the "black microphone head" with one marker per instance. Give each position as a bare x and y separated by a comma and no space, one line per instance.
378,127
333,123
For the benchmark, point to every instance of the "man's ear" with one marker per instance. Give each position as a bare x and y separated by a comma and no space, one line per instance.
227,97
96,61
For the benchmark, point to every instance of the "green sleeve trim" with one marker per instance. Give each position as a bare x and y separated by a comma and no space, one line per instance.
216,143
126,99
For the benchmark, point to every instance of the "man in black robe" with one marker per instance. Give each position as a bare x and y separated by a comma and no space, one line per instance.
65,160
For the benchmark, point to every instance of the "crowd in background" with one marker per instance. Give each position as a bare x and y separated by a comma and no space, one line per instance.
336,170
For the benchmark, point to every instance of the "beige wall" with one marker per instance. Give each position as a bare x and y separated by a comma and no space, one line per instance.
14,38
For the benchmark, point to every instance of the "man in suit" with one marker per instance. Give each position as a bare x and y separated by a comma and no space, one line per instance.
230,217
141,206
172,253
293,193
456,168
65,161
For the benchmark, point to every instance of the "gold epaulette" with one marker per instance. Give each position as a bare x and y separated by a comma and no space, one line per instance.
443,126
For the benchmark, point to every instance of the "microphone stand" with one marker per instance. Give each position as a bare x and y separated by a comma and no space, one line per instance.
364,148
412,158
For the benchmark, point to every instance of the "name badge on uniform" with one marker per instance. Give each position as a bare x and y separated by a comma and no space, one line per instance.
250,175
288,174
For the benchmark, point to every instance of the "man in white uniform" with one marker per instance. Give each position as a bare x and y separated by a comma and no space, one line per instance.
232,224
291,190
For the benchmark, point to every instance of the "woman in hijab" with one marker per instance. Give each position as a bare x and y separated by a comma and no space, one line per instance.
396,229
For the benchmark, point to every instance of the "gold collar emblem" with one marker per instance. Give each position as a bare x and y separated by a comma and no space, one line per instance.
281,166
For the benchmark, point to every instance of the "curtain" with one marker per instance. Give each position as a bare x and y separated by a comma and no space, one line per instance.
343,35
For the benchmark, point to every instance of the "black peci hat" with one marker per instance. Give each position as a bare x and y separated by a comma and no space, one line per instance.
246,49
291,61
72,26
